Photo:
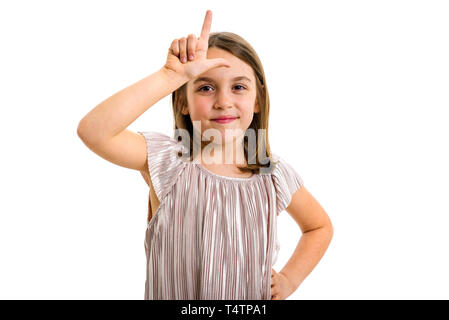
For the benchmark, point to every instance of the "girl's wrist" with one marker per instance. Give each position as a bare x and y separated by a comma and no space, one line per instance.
173,77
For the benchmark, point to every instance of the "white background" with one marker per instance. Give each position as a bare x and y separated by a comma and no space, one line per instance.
359,107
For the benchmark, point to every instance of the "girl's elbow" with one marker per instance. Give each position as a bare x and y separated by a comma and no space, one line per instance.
330,229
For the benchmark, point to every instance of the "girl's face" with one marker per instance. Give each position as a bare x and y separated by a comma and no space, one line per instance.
221,95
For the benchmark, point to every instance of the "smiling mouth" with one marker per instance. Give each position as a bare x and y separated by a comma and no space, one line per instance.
224,120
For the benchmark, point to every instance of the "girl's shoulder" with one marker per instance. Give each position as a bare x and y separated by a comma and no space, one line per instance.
164,163
286,181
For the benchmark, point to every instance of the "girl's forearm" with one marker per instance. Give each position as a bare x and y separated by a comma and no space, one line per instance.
310,249
117,112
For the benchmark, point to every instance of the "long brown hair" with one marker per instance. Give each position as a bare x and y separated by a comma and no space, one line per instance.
240,48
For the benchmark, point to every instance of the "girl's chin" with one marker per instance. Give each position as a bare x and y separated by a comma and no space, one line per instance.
225,133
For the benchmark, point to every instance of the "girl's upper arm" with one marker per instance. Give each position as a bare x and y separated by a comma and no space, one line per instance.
307,211
127,149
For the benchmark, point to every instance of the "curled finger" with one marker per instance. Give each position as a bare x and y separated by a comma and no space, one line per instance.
191,46
175,47
183,50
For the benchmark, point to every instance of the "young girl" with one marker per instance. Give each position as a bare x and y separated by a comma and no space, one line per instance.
211,231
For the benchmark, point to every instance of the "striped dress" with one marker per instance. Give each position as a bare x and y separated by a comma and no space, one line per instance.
212,237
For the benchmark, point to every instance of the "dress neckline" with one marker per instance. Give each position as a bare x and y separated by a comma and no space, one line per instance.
208,172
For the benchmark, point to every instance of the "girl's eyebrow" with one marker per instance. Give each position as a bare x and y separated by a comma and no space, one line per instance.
211,80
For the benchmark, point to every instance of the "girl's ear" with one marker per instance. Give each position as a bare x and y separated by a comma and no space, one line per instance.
184,110
256,107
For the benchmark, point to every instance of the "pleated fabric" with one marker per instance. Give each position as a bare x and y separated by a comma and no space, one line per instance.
212,237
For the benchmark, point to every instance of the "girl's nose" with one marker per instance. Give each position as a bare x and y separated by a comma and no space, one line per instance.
222,106
223,100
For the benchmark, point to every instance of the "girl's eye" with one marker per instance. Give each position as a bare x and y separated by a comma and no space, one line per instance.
201,89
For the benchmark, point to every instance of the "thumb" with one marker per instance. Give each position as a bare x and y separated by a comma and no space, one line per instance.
215,63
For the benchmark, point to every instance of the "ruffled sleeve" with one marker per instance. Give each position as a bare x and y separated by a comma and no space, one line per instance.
286,182
164,164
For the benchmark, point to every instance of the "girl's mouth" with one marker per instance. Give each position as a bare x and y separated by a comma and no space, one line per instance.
224,120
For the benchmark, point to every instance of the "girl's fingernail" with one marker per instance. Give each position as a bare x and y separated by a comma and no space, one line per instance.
183,59
191,57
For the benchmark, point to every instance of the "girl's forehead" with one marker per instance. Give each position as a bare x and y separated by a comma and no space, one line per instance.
238,70
233,60
224,74
232,76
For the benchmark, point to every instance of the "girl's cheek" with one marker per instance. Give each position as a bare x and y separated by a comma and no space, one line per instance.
202,107
200,111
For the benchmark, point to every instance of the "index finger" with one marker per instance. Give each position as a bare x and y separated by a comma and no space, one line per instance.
206,26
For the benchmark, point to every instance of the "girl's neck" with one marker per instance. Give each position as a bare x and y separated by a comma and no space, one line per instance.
226,156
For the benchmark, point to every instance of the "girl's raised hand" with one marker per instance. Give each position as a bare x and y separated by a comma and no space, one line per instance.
188,57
